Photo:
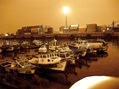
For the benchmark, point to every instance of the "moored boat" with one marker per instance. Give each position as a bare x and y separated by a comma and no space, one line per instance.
36,43
97,45
7,46
25,45
16,45
46,59
42,49
1,45
18,65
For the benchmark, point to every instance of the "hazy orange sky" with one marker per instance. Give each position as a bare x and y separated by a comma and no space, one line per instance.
15,14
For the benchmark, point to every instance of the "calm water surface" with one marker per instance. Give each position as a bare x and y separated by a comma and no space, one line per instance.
105,64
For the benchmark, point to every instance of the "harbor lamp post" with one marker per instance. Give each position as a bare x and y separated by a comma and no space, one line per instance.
66,11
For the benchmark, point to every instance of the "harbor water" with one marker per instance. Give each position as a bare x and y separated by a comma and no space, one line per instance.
99,64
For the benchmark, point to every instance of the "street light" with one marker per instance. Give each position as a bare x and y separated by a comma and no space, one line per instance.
66,11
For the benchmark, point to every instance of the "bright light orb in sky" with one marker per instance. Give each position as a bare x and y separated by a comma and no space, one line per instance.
65,10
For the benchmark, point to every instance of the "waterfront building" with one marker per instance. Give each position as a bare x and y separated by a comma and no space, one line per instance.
72,29
101,28
91,28
82,30
62,29
49,30
116,29
2,35
33,31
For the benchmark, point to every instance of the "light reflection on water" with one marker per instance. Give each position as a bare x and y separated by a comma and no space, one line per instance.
105,64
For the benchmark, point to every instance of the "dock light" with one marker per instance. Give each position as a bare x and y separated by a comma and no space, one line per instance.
6,34
108,28
65,11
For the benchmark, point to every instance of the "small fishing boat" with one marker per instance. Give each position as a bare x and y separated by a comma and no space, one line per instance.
16,45
24,67
42,49
1,45
53,45
9,49
0,50
79,49
78,44
25,44
64,49
91,45
97,45
46,59
36,43
7,46
19,65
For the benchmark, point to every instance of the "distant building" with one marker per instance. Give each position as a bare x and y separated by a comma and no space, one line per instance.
70,30
91,28
74,28
109,29
61,29
33,31
50,30
116,29
113,27
101,28
117,25
2,35
82,30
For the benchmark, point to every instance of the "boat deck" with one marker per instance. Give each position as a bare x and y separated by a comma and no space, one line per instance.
60,67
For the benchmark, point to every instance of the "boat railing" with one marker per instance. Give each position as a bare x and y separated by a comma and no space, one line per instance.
48,55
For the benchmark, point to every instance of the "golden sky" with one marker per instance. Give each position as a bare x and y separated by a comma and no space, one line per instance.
15,14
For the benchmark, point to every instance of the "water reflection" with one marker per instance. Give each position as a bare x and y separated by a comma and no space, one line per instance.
84,61
115,42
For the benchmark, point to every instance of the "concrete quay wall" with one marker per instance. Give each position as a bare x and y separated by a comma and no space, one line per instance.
82,35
